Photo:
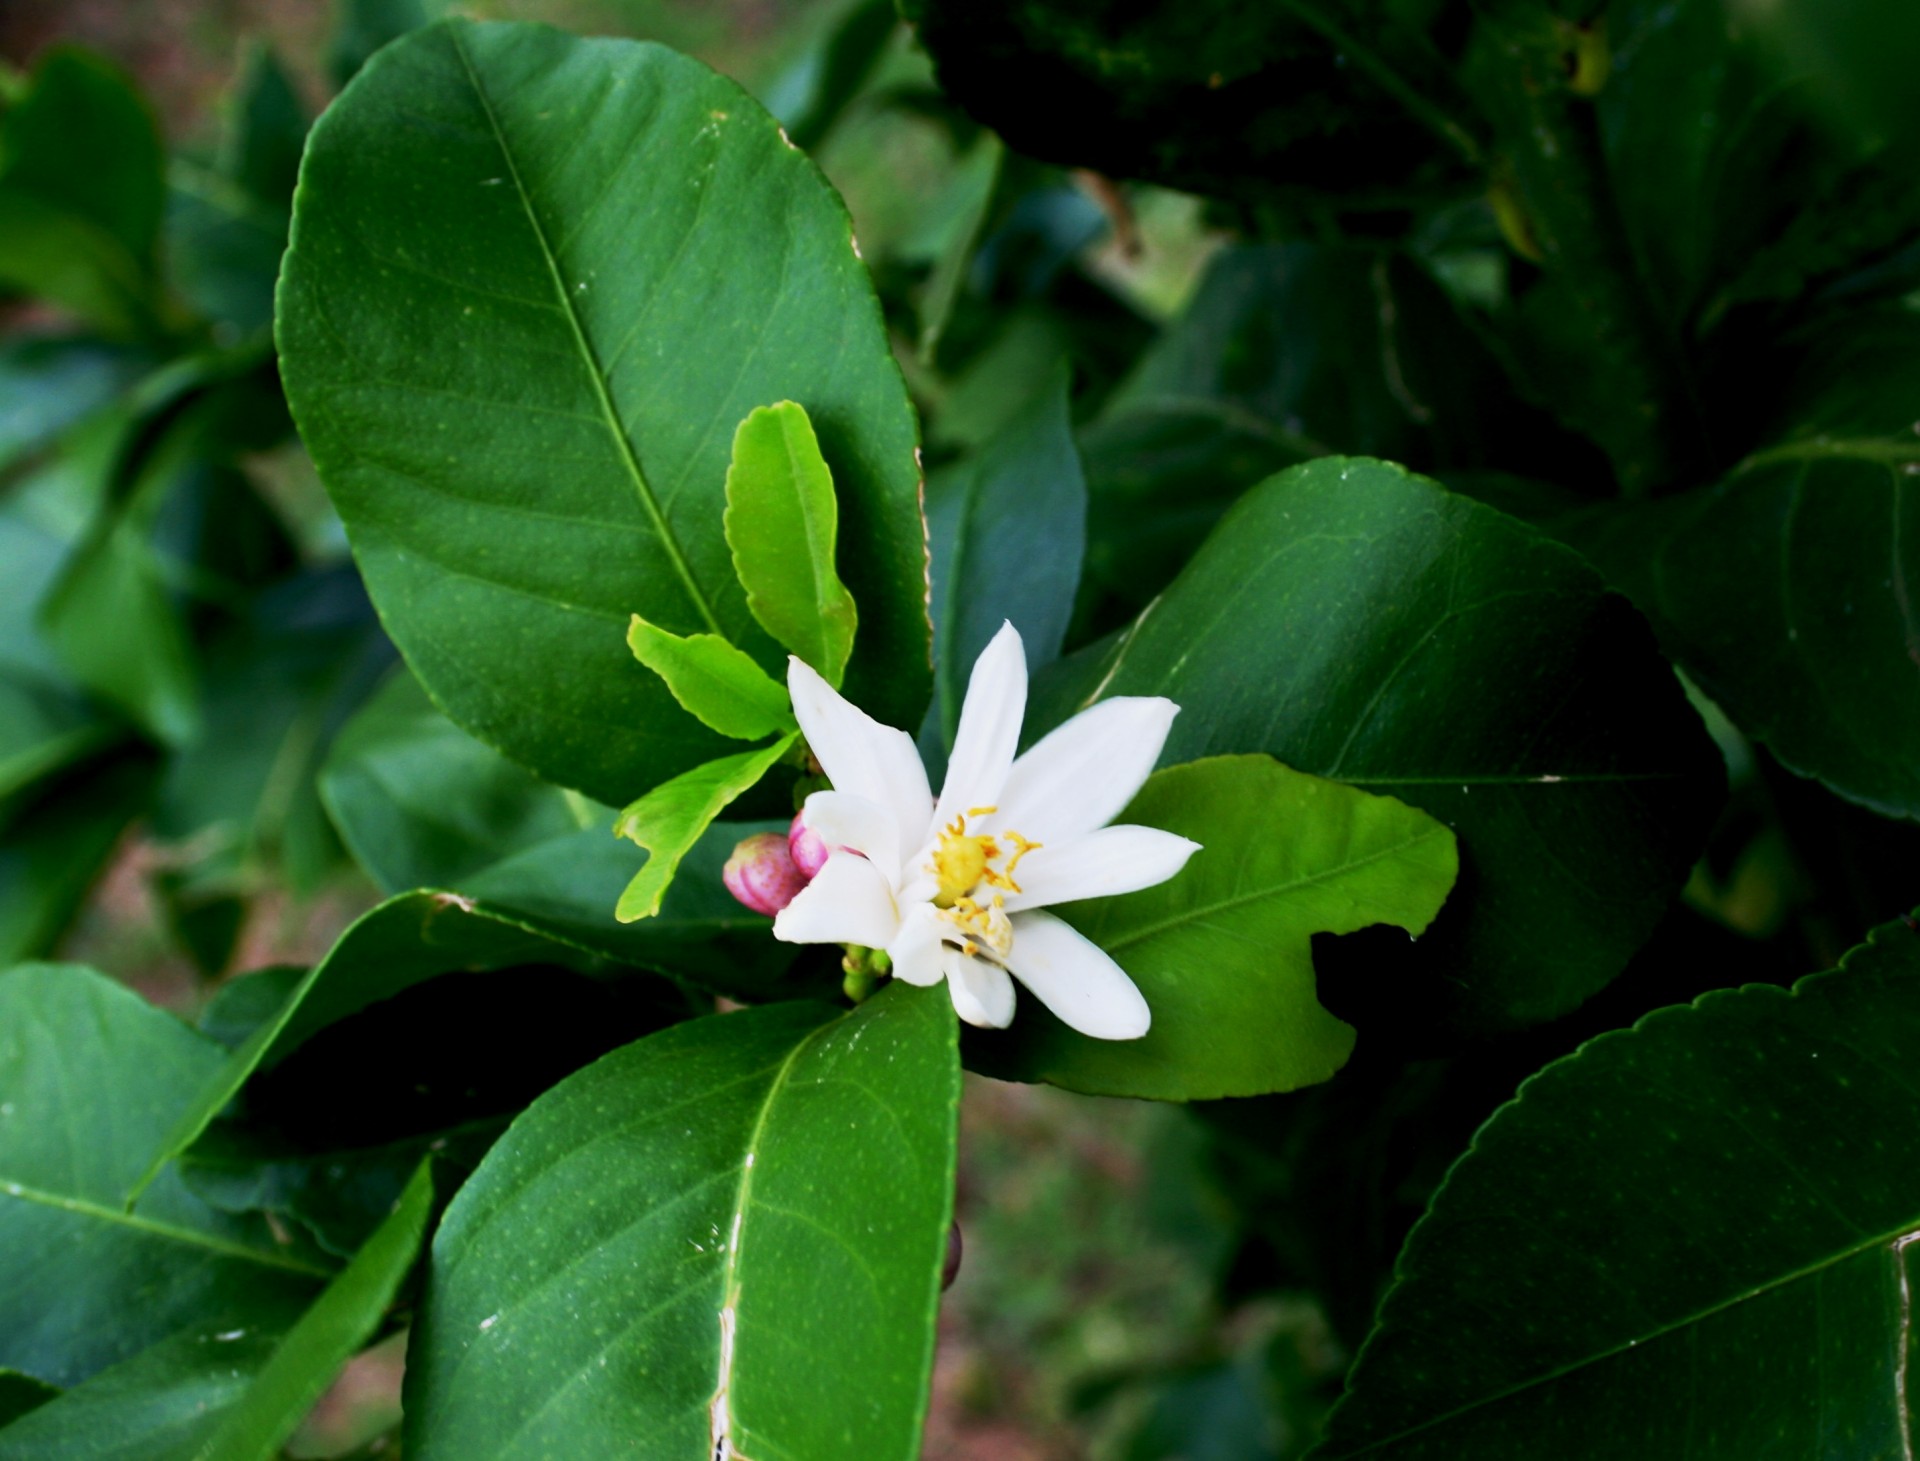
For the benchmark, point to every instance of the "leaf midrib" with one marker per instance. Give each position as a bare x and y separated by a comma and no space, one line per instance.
1277,890
608,414
1888,1239
99,1212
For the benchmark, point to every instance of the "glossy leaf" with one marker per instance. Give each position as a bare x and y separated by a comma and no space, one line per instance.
1360,624
668,820
1692,1237
547,453
341,1320
725,1239
420,803
1009,531
783,526
158,1406
90,1075
1791,589
714,681
403,942
1222,952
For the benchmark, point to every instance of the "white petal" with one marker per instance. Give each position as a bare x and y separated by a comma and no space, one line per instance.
848,902
862,756
1099,865
1076,979
1079,776
989,731
915,950
982,994
841,819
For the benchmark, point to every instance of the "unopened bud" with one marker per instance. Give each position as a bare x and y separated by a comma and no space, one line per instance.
761,873
809,852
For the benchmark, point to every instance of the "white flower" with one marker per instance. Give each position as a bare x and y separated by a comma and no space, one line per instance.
951,891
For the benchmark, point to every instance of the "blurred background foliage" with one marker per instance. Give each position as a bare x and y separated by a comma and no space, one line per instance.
1240,260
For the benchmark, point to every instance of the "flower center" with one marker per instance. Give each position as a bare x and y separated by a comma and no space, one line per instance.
982,930
964,862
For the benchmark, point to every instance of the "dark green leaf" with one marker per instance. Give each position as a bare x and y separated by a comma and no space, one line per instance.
90,1075
420,803
668,820
1791,589
715,682
340,1321
550,457
158,1406
1362,625
1689,1238
1288,352
54,842
20,1394
1350,101
361,27
1222,952
279,684
1008,530
81,191
725,1239
403,942
266,130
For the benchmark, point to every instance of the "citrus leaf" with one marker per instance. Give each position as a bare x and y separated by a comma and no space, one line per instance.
723,1240
1358,623
1736,1180
90,1075
534,283
714,681
340,1321
1222,951
783,526
668,820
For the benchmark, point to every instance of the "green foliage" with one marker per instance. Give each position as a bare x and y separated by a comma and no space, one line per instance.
668,820
92,1075
782,524
583,348
755,1182
1419,645
566,413
1735,1179
1222,951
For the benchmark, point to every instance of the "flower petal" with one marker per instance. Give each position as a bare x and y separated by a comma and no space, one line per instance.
915,950
849,902
860,755
842,819
1076,979
1079,776
989,731
981,992
1099,865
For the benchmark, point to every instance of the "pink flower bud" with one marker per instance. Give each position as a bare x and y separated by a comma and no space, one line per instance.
761,873
809,852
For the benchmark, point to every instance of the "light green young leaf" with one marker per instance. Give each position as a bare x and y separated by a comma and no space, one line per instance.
783,524
714,679
342,1320
668,820
722,1240
1223,951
